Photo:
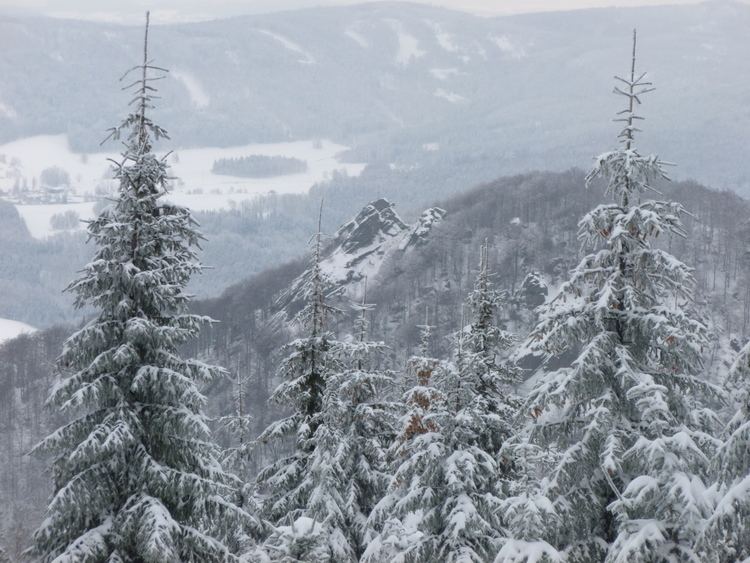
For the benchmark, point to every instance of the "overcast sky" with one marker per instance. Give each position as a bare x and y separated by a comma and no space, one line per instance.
191,10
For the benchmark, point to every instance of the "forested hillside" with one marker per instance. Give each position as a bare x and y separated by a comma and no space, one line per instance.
530,224
547,367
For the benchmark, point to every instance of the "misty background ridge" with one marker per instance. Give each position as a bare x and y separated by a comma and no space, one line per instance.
429,101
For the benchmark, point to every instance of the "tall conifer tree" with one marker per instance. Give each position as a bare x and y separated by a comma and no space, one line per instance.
136,475
347,469
628,486
445,496
284,484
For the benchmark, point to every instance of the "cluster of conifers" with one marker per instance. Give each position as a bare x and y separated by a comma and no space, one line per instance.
618,457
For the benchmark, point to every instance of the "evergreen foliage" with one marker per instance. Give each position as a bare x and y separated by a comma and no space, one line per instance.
136,474
238,425
528,514
727,532
402,521
444,502
286,485
625,415
259,166
348,464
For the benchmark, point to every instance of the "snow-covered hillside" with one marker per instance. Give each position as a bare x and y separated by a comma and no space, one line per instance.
23,162
363,245
507,93
10,329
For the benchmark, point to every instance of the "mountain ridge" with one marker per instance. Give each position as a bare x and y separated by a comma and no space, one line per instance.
529,92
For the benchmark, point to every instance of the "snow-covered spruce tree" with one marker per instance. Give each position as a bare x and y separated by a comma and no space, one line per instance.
527,513
238,425
136,475
417,454
449,473
303,541
284,485
726,537
347,468
238,457
486,381
629,483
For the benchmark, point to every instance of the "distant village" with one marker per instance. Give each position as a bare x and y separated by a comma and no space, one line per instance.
53,185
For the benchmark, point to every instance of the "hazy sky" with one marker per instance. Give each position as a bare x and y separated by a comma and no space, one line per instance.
189,10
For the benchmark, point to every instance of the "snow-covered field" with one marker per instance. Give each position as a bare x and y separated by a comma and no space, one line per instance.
10,329
195,186
37,217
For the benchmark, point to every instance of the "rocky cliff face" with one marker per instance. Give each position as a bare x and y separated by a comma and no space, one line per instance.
362,246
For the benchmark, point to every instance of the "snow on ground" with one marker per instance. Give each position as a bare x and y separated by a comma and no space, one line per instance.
307,58
508,47
7,110
201,190
445,40
196,186
452,97
10,329
38,217
353,33
443,73
37,153
198,95
408,45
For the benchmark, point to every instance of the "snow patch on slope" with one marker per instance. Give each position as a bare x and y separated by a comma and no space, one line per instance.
38,218
408,45
509,48
353,33
361,247
198,95
452,97
445,40
10,329
7,111
443,73
306,57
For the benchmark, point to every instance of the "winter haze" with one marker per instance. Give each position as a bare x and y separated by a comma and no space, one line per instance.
344,281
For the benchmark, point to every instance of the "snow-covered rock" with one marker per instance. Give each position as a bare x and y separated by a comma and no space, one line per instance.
361,247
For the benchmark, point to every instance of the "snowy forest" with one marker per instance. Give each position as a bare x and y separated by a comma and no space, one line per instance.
549,368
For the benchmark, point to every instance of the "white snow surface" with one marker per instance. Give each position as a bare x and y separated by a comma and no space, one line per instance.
349,268
408,45
38,217
195,185
445,40
305,56
353,33
451,97
7,111
198,95
443,73
508,47
9,329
